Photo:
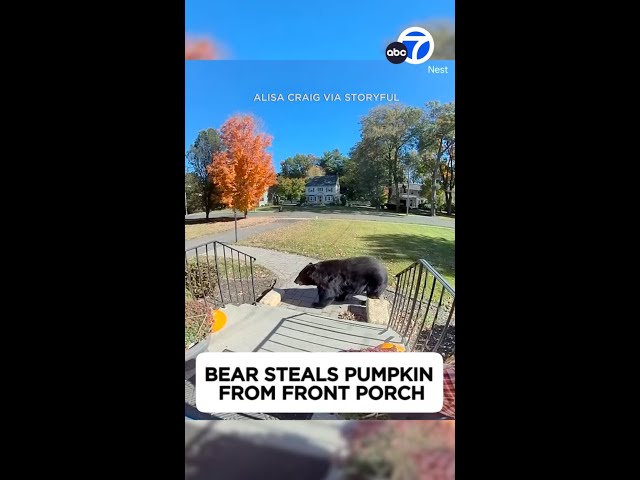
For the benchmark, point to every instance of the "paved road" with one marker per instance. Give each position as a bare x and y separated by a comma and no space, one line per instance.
364,214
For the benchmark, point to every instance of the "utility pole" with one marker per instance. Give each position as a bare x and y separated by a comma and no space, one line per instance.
186,212
235,222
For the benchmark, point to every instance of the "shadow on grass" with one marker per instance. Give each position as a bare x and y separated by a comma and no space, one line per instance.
332,210
439,252
336,209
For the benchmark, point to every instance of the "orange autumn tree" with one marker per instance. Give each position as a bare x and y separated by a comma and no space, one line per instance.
244,169
199,48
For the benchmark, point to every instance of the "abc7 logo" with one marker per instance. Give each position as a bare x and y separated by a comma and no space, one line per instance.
419,52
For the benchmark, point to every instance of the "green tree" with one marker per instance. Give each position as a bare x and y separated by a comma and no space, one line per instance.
436,144
333,162
291,188
393,130
297,166
443,32
193,192
199,157
366,171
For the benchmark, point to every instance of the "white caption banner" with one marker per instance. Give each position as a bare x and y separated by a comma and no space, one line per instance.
363,382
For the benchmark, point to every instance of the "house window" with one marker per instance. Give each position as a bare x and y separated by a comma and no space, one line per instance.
311,198
328,198
319,189
311,190
328,189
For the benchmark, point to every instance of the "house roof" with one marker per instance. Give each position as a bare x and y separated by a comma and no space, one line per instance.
412,186
324,181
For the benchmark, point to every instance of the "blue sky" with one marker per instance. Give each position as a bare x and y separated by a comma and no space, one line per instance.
297,30
216,90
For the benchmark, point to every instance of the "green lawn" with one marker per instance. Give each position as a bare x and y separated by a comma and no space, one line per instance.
396,245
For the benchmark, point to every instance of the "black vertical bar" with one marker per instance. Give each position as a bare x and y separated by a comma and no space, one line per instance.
226,271
215,255
407,301
233,271
240,275
198,274
206,251
401,284
413,306
418,315
446,326
426,314
253,287
395,297
435,319
200,277
188,275
424,287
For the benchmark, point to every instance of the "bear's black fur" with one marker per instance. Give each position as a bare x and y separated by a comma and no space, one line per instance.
336,279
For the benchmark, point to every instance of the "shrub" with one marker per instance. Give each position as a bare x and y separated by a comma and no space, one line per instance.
343,200
197,322
427,450
199,280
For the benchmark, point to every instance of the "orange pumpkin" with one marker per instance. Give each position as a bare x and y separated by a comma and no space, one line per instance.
392,347
219,321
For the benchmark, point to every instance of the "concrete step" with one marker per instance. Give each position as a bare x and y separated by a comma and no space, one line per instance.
253,328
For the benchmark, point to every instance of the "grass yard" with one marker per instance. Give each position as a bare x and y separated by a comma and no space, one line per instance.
201,227
396,245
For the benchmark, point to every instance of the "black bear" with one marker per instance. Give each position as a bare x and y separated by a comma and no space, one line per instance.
336,279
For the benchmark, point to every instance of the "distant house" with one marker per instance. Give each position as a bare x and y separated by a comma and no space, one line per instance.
325,189
265,199
414,194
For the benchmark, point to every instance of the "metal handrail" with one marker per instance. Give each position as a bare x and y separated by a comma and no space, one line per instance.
421,295
436,274
220,243
232,275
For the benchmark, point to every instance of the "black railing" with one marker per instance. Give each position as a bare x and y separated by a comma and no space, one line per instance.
423,310
218,274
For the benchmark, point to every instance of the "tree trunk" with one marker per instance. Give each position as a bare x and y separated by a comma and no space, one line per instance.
245,214
434,196
449,205
206,192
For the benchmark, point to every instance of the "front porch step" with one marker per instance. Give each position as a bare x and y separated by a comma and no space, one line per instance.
262,328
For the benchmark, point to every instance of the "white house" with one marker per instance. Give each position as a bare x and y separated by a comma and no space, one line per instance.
325,189
416,197
265,199
414,194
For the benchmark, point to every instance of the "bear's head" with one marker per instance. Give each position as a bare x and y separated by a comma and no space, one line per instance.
306,276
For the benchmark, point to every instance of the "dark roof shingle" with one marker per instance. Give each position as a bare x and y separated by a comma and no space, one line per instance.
324,181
